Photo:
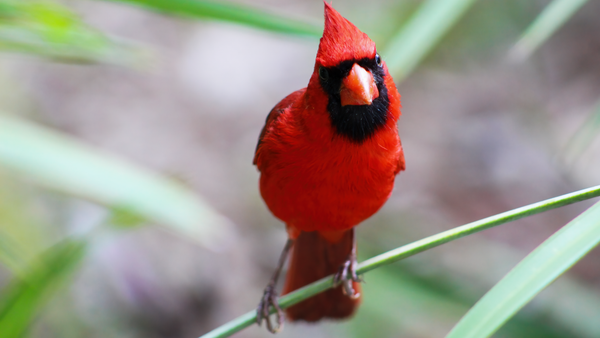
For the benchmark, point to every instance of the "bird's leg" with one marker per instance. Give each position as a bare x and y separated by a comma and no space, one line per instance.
270,295
346,275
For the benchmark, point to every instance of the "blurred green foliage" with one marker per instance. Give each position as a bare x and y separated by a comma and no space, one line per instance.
46,274
40,266
48,29
21,233
584,136
540,268
66,165
433,299
420,34
554,15
230,12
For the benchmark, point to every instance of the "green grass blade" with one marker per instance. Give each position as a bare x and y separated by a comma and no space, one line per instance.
64,164
50,30
230,12
550,20
408,250
421,33
584,136
428,299
534,273
21,300
21,231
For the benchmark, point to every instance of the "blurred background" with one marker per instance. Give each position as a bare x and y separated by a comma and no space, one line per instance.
129,205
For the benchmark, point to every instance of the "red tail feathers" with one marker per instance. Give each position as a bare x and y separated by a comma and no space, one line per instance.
314,257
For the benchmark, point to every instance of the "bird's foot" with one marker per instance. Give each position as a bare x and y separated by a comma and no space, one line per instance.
346,275
263,311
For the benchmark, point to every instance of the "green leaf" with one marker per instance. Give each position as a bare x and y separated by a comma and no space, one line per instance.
21,300
419,35
584,136
50,30
21,231
550,20
534,273
125,218
426,299
230,12
65,164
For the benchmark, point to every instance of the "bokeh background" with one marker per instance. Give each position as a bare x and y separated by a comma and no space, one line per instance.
484,130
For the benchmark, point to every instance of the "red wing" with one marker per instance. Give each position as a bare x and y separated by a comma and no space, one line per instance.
401,163
274,115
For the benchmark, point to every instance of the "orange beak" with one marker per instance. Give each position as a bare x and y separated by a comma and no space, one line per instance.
358,88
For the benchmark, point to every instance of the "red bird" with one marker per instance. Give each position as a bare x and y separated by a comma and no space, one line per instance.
328,156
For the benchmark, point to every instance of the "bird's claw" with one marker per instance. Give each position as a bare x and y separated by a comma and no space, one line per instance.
346,275
263,311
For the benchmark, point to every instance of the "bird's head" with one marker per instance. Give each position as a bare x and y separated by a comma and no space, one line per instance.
351,74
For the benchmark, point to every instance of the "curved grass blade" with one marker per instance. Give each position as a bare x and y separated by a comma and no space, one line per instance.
408,250
550,20
21,300
66,165
421,33
21,233
230,12
584,136
534,273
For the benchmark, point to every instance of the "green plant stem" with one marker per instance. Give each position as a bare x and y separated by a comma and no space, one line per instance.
421,33
411,249
547,23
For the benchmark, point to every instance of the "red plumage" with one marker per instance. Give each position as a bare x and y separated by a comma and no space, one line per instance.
326,167
313,258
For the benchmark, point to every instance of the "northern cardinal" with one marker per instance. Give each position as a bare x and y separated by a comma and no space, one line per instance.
328,156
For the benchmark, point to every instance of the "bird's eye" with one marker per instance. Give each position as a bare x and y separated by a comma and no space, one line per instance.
323,74
378,59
